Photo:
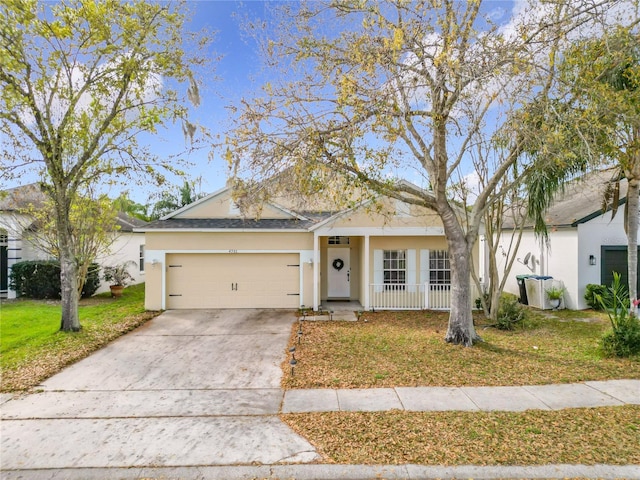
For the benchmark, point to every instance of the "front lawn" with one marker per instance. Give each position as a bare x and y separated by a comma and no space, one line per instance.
407,349
609,435
32,348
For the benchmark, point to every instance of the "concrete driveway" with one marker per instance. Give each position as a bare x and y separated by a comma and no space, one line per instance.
188,388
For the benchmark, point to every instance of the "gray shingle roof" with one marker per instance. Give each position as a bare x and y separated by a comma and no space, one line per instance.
22,197
582,199
127,223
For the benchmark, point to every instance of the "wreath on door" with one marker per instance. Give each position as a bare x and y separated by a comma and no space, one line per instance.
338,264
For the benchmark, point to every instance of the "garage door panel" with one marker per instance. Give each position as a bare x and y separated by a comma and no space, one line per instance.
233,281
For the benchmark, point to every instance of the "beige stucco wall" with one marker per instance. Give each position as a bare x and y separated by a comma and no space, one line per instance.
249,240
389,215
222,206
153,285
307,276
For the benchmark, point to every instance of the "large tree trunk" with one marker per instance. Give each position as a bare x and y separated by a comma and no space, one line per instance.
70,321
461,330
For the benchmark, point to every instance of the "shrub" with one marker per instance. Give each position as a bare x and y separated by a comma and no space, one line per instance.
36,279
623,340
593,293
41,279
511,314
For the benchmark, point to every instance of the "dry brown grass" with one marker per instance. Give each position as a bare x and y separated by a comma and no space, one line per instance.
608,435
407,349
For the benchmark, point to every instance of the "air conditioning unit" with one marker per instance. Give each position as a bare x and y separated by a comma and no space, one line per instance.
536,291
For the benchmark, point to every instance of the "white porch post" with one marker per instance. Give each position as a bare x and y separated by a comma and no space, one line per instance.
316,271
367,279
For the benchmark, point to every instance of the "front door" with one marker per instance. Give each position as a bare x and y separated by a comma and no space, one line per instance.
339,273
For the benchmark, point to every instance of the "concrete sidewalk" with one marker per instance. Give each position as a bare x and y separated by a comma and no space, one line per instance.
513,399
334,472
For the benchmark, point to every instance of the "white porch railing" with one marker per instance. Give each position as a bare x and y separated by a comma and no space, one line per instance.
413,296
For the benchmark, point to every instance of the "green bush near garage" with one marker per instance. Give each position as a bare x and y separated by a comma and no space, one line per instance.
40,279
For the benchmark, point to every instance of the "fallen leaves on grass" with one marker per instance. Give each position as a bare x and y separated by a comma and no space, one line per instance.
69,349
609,435
407,349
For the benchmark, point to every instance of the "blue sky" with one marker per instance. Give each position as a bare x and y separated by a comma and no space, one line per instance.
236,75
239,74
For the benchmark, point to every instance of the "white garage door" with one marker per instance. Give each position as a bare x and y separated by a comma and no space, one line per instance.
233,280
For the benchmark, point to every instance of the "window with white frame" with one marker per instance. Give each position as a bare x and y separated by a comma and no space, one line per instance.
439,267
394,268
141,258
336,240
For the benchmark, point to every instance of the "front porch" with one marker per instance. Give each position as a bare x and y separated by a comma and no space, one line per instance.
413,297
381,269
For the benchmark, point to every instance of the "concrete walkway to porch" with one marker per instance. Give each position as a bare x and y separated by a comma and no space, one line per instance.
345,310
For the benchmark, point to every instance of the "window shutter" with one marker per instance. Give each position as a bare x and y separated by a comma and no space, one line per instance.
378,272
424,268
411,270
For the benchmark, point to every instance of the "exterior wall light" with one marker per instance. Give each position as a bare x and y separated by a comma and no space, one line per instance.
592,259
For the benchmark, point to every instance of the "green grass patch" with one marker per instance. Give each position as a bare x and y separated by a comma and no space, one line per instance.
33,348
408,349
608,435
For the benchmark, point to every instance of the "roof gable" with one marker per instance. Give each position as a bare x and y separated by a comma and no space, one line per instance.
220,205
386,212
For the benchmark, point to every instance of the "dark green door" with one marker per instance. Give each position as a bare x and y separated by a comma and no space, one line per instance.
614,259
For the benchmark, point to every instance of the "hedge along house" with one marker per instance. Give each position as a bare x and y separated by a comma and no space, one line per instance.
15,246
586,242
206,255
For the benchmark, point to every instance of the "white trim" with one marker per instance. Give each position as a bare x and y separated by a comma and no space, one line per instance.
378,265
411,269
424,266
367,299
220,230
381,231
344,231
316,271
228,251
482,251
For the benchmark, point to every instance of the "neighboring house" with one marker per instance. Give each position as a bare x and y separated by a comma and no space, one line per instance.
15,246
585,245
206,255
